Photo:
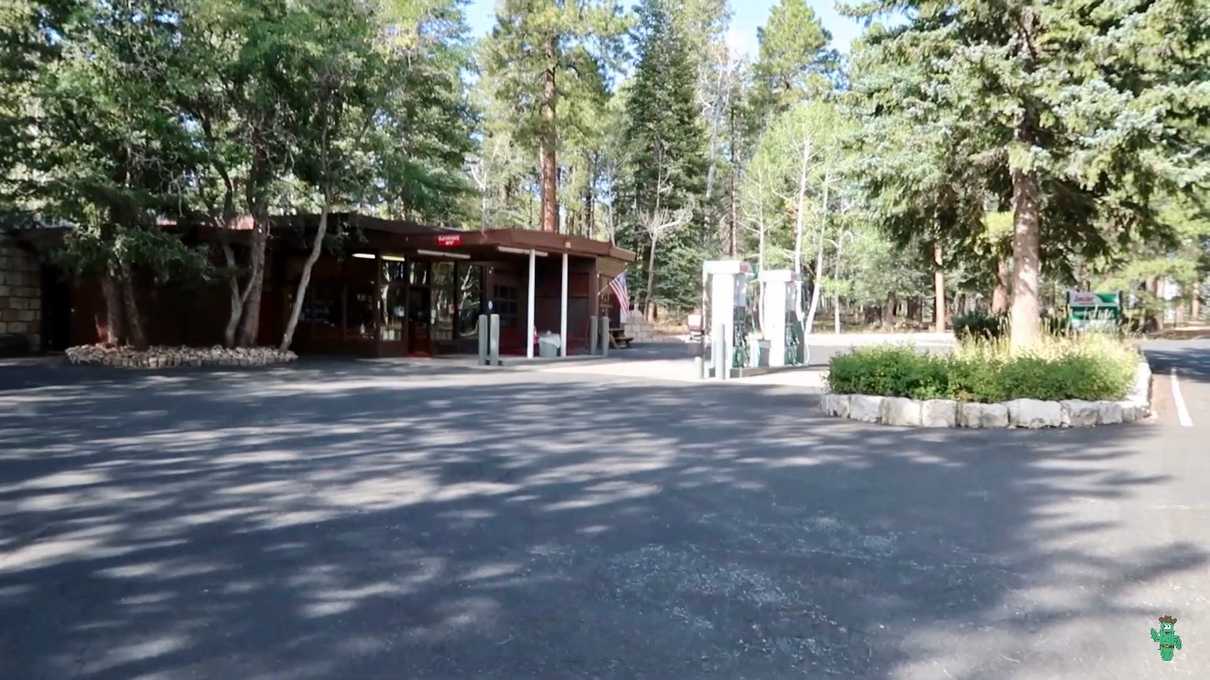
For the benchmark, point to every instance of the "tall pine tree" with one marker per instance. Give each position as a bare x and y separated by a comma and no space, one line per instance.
665,165
1091,108
541,57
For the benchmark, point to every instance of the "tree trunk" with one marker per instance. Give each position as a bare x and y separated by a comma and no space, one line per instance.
300,294
802,204
236,299
1026,317
836,296
816,287
651,281
1000,292
888,311
817,279
1195,307
549,140
250,321
938,290
1157,289
590,199
115,327
731,184
130,305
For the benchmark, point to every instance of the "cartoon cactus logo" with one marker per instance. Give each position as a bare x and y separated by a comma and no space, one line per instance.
1167,637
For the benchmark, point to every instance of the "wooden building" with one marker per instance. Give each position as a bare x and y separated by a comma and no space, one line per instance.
385,288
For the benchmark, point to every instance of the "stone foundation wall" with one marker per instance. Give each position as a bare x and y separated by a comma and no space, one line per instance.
20,293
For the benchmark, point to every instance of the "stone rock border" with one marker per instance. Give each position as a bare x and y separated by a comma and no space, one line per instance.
1025,413
173,357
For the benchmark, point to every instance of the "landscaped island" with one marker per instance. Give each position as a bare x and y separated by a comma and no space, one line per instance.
1072,381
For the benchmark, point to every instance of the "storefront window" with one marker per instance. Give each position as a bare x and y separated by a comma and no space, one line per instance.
394,313
395,272
470,299
443,300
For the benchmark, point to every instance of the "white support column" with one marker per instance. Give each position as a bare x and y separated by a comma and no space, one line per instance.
563,313
529,315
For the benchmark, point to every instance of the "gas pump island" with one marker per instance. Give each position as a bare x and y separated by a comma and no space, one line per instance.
736,342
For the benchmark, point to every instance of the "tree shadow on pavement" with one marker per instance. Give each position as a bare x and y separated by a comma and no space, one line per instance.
359,519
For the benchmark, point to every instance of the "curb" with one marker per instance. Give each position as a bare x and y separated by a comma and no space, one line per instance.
1021,413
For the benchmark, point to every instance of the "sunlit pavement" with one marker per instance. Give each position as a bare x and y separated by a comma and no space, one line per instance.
410,520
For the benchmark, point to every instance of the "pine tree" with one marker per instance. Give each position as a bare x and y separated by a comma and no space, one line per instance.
794,62
1088,109
542,56
665,166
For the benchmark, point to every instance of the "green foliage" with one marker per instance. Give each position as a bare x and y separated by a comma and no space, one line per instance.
980,324
664,166
1089,367
1103,105
89,252
889,371
794,64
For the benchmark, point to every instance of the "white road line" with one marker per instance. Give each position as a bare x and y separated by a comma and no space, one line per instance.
1182,412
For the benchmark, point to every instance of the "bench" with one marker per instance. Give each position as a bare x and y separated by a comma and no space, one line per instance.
618,338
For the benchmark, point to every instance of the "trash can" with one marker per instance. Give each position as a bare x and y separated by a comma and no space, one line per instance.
548,345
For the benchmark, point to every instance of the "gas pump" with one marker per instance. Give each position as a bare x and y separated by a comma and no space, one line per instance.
729,320
781,328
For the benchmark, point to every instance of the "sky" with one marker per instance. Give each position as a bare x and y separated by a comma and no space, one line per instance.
746,17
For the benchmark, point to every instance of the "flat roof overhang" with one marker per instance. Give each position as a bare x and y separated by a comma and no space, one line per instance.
495,242
384,236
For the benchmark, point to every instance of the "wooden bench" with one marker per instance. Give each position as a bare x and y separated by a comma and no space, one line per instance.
618,338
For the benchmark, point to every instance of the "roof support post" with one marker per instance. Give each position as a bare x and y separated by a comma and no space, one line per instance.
529,311
563,313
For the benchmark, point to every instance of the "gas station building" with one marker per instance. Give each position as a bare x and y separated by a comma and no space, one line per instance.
386,288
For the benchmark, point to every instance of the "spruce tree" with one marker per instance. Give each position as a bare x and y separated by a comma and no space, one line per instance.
665,165
1088,108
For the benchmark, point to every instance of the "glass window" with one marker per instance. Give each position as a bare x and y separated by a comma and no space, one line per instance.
361,310
394,312
443,300
504,303
322,304
470,299
395,271
420,273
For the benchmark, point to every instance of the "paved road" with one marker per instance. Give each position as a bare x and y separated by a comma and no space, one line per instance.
388,521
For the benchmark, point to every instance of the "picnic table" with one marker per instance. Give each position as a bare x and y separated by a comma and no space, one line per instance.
618,338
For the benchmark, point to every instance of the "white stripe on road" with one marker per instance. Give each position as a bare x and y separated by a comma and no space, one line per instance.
1182,412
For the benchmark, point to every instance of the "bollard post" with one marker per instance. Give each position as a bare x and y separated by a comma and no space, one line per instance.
483,333
604,336
699,367
493,340
593,335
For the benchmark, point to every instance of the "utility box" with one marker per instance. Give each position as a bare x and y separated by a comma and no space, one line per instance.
548,345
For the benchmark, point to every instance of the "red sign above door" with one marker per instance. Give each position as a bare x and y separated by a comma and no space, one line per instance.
448,240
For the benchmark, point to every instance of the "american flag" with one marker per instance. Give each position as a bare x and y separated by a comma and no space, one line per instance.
618,286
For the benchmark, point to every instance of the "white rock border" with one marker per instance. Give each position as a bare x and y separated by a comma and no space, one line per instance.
1022,413
160,356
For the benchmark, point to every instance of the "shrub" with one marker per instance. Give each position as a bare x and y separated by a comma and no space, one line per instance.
889,371
1088,367
979,324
